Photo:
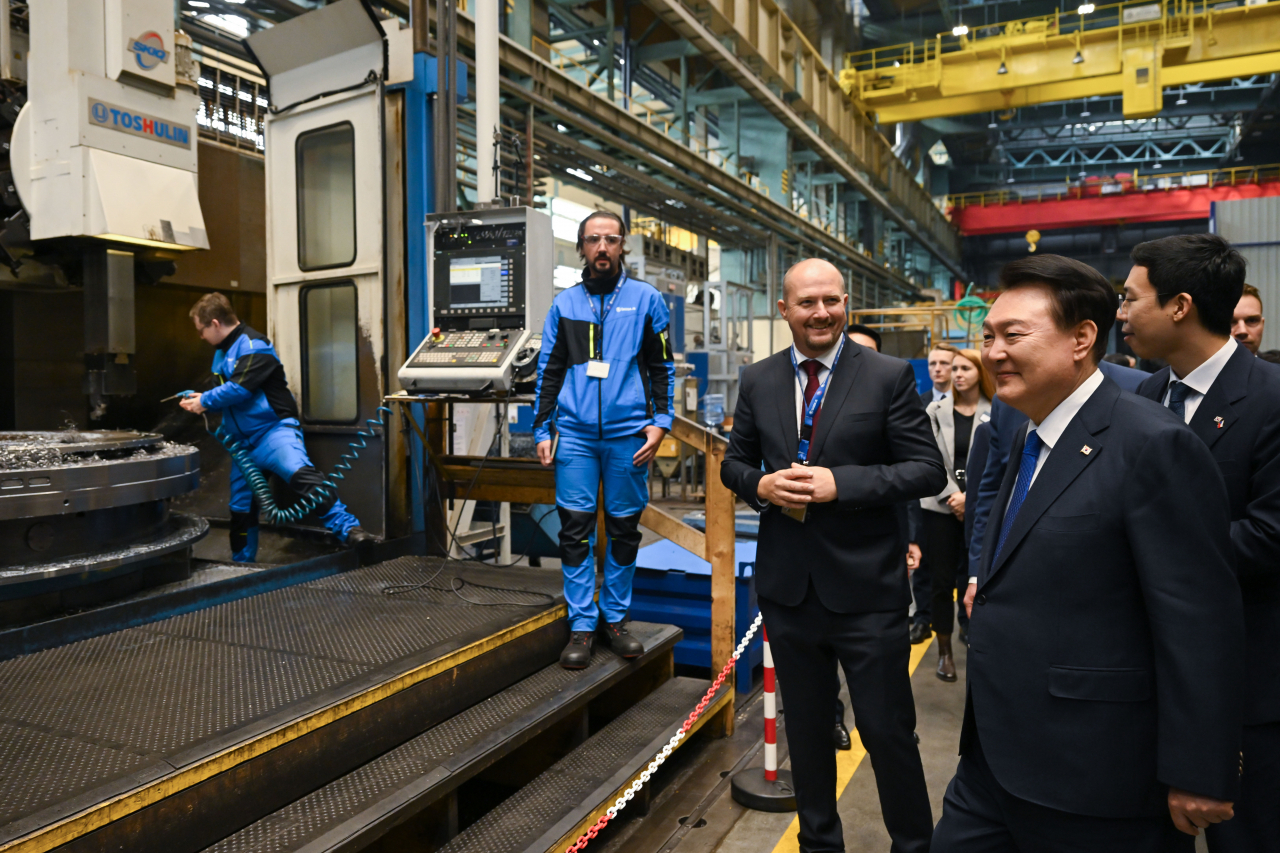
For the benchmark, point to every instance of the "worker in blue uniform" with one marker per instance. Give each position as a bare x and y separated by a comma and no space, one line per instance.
606,383
260,413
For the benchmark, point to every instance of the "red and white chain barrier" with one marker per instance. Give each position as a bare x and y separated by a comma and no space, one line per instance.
770,716
627,795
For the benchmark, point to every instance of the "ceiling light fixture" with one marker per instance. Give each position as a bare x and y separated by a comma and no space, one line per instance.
1085,8
1077,59
959,30
992,126
1002,69
1085,114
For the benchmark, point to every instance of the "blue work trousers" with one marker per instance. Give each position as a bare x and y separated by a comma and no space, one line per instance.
582,467
280,451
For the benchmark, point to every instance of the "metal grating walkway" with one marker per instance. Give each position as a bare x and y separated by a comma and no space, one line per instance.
87,721
427,767
536,817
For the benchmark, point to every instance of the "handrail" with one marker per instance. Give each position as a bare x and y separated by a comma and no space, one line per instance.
1232,176
1173,14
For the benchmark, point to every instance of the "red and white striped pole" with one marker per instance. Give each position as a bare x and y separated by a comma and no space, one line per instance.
770,716
767,788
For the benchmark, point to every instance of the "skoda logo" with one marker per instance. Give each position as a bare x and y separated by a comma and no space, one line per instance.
149,50
100,112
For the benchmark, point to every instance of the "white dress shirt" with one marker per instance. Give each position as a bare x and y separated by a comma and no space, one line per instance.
1053,426
1200,380
939,395
1055,423
802,378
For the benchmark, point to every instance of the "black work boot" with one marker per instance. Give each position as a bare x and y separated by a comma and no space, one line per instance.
619,639
577,654
357,536
841,733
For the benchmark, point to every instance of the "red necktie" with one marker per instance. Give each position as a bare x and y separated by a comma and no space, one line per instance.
811,366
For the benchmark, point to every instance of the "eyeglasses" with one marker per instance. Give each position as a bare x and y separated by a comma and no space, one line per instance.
594,239
1125,300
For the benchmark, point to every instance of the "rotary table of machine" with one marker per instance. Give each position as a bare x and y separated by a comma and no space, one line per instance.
84,509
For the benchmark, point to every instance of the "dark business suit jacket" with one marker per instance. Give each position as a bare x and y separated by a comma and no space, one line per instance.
873,434
1005,423
1106,637
1239,419
976,463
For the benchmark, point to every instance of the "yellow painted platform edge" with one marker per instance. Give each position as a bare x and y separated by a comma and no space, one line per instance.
847,762
99,815
574,834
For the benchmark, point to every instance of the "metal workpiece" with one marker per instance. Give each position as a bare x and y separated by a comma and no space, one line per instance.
81,507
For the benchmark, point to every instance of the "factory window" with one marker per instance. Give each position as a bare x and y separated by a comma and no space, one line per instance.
327,197
329,392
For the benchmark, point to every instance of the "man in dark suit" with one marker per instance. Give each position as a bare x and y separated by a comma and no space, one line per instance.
1178,305
939,362
844,442
1106,630
1006,422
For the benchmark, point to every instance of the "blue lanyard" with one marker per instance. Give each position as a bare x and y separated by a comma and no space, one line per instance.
815,403
622,279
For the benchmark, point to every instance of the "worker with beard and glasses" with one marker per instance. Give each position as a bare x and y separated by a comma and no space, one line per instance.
606,384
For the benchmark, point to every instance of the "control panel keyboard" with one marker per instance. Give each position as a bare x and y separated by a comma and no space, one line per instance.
465,349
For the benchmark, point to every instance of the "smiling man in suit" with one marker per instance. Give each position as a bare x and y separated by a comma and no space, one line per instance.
1178,304
1106,633
829,440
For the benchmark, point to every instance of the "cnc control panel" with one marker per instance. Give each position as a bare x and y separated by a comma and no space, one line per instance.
465,348
490,275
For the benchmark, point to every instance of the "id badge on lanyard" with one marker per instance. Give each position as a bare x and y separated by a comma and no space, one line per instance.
809,415
597,367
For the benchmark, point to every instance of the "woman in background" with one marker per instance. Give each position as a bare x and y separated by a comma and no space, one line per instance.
954,420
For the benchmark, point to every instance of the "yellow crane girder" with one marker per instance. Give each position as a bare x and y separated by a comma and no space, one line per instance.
1135,49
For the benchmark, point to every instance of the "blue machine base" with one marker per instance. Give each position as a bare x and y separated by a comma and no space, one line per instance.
673,586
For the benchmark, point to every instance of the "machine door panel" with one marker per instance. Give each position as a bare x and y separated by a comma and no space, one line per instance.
325,297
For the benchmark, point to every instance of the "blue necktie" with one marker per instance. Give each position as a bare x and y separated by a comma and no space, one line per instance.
1026,470
1178,392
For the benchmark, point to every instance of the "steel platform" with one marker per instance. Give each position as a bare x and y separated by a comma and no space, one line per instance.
174,734
360,808
552,811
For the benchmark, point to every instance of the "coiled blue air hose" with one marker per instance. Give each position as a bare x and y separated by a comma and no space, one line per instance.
257,480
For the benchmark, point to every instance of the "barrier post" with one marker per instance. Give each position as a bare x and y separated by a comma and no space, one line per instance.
720,554
766,788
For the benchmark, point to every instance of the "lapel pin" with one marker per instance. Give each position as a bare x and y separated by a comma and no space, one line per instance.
1220,422
1086,450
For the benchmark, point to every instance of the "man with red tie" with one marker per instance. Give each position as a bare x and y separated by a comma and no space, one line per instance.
829,439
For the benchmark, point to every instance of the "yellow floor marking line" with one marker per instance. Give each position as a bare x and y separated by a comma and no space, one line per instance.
847,762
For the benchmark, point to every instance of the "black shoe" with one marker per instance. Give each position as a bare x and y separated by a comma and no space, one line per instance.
577,654
964,634
618,638
357,536
841,733
920,632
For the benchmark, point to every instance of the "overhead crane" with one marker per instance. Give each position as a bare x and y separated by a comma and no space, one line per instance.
1135,49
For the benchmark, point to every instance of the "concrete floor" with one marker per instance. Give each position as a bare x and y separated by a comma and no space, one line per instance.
730,828
939,710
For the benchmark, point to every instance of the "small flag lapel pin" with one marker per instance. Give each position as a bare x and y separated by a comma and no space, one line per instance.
1086,450
1220,422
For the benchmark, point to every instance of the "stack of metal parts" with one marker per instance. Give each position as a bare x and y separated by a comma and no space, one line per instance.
85,516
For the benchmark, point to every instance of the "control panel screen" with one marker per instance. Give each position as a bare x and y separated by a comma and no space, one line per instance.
479,277
479,282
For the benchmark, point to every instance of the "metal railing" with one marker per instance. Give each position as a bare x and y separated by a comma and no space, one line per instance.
655,118
1122,185
1168,18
